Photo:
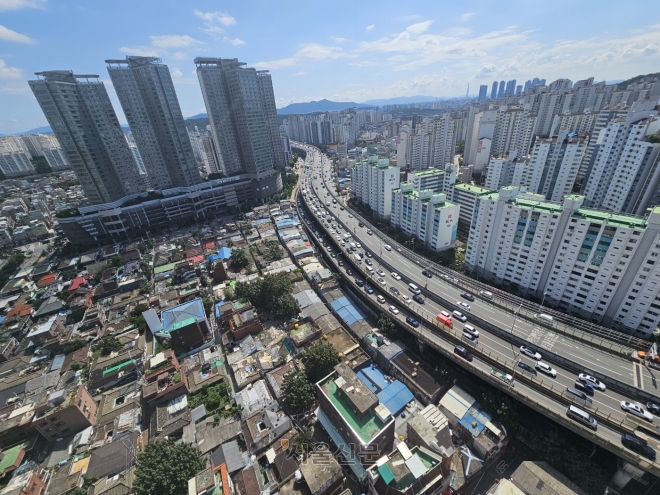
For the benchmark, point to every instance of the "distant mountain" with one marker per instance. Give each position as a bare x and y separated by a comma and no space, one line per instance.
319,106
47,130
403,99
198,116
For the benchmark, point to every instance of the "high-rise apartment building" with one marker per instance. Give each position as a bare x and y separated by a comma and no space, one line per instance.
493,91
147,96
79,111
241,107
433,143
502,89
372,182
483,92
601,266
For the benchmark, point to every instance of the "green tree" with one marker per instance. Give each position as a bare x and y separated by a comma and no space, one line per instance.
74,345
303,442
319,360
108,345
164,468
286,307
240,258
115,261
228,293
386,326
64,295
298,392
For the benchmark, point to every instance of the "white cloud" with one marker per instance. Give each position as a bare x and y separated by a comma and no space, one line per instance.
364,63
370,27
180,55
9,35
337,39
174,41
140,51
177,73
467,16
419,28
310,52
211,17
300,74
234,41
21,4
7,72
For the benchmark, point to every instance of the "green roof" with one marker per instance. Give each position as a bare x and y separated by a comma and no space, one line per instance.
436,171
611,218
366,426
116,367
10,455
472,189
385,473
180,324
165,268
540,205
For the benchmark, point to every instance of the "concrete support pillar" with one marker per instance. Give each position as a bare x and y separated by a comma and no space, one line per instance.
625,473
422,345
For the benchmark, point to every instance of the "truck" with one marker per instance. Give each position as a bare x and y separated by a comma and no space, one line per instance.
444,320
505,377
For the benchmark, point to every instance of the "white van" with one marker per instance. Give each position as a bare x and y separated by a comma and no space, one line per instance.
544,317
352,244
370,270
414,289
583,417
358,260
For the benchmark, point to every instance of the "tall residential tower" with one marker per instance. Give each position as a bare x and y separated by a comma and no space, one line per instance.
241,109
147,96
79,111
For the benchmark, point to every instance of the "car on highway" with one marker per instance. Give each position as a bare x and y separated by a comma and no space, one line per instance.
380,299
653,407
341,263
393,310
412,321
526,367
594,382
418,299
381,280
350,216
530,352
349,272
637,445
584,387
406,299
459,316
471,330
387,247
578,394
445,277
369,232
368,289
463,352
380,272
427,273
463,305
368,261
468,296
368,254
360,224
547,369
359,282
636,410
396,276
394,290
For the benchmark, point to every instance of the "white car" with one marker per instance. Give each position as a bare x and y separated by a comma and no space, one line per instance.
381,281
635,410
594,382
387,247
358,244
531,353
463,305
393,310
459,316
406,299
471,330
544,368
380,272
381,299
350,216
396,276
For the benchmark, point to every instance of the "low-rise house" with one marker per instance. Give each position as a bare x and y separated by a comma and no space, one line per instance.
163,379
262,428
66,412
169,418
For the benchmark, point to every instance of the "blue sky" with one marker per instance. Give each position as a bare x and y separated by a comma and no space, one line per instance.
340,50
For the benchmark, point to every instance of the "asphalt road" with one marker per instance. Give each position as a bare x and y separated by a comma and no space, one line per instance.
607,402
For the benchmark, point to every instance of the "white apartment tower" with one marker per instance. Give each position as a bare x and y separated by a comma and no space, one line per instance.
146,93
79,111
372,182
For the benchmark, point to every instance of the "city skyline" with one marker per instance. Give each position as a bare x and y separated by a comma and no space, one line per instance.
409,54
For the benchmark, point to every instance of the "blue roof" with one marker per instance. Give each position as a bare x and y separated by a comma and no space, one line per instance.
58,362
218,305
214,257
395,396
224,253
475,420
347,311
177,314
375,377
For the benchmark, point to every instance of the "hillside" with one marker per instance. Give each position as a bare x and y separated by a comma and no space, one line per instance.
319,106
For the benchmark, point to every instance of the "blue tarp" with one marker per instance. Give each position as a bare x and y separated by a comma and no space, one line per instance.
218,305
475,420
214,257
395,396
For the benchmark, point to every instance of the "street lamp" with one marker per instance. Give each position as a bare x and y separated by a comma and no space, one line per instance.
543,299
